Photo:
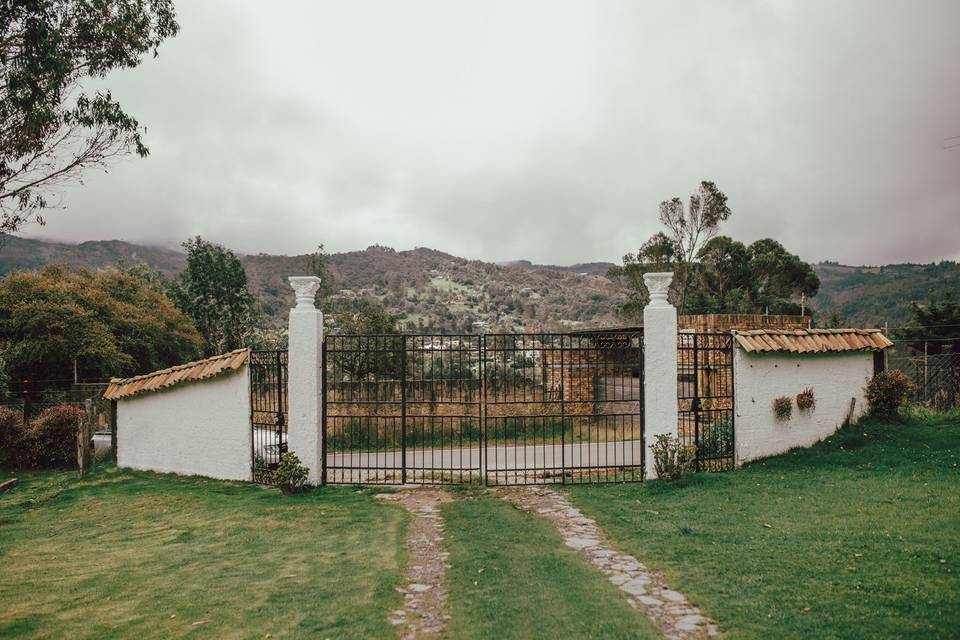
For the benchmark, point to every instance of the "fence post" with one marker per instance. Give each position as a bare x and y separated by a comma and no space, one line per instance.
660,365
305,371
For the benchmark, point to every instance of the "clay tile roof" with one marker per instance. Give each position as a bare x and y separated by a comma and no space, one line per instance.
811,340
166,378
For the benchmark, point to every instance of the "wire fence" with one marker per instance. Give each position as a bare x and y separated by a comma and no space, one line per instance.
935,375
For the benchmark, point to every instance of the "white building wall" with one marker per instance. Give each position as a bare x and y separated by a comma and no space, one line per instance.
759,378
198,428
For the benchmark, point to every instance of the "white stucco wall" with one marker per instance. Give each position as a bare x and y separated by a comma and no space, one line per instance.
759,378
198,428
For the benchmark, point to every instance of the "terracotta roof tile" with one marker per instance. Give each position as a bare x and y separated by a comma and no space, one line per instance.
811,340
166,378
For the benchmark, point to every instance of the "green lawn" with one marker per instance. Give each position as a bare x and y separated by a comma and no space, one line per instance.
513,577
138,555
858,537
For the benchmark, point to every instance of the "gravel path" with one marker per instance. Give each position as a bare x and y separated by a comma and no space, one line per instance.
424,612
644,588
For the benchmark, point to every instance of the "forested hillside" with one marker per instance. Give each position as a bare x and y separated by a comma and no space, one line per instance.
872,296
430,289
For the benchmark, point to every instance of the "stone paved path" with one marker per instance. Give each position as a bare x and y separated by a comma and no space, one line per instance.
645,589
425,612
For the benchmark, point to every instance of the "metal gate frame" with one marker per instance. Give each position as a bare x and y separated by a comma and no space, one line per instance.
268,412
389,417
705,396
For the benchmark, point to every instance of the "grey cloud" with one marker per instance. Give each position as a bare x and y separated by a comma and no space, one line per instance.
543,130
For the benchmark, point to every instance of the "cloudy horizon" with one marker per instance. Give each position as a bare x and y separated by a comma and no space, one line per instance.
546,131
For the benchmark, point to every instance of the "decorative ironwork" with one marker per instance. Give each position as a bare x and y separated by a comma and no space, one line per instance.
705,397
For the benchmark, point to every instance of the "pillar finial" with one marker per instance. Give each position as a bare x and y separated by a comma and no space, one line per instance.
305,288
658,284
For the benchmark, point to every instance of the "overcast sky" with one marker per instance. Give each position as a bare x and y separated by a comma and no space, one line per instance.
541,130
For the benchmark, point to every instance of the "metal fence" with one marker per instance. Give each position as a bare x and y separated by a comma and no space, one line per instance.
472,409
936,376
268,412
705,397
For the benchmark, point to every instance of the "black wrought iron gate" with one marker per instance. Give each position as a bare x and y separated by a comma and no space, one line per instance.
705,397
494,408
268,411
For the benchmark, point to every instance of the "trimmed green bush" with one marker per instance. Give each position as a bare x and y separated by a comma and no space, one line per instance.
291,475
12,436
52,437
887,391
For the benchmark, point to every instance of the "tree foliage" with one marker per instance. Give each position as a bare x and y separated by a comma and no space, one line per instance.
109,323
934,326
713,273
51,130
212,290
320,266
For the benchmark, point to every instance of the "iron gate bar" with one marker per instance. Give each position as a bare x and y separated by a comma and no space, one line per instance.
268,412
705,394
483,408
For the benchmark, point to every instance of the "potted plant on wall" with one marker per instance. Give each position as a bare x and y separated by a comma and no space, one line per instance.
806,400
782,408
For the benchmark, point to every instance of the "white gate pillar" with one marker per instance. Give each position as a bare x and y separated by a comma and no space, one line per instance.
659,364
305,377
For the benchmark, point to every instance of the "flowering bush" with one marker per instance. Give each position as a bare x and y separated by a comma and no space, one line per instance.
806,400
672,459
887,391
782,408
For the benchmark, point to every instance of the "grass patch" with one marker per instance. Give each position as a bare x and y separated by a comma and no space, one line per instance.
513,577
858,537
125,554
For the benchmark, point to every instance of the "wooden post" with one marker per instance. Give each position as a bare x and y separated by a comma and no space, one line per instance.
85,438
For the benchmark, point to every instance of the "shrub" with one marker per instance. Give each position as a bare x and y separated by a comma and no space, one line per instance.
887,391
782,408
672,459
12,436
52,437
805,400
716,439
291,475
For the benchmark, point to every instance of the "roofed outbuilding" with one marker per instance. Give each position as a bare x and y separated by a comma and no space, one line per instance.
811,340
181,374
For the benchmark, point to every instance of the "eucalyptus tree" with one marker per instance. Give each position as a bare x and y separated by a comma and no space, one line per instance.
52,127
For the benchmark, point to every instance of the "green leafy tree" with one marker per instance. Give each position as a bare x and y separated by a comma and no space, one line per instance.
212,290
105,324
320,266
687,229
51,129
4,378
934,326
714,274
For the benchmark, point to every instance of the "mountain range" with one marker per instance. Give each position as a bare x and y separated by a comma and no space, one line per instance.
432,289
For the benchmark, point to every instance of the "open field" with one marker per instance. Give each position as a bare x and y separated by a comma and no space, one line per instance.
858,537
124,555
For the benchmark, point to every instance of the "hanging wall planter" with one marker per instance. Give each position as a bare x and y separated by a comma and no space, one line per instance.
782,408
806,400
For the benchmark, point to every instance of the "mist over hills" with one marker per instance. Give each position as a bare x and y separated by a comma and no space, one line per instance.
434,290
